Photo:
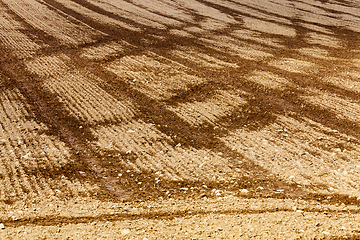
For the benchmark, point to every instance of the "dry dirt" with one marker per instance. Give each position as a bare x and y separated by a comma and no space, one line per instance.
179,119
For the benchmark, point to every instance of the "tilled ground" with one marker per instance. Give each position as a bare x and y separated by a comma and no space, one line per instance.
207,119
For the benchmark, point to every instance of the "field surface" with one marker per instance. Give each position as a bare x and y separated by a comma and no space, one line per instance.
179,119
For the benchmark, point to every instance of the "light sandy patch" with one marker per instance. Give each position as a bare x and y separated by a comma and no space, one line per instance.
315,52
292,65
171,9
269,80
238,48
195,30
79,91
316,28
346,14
29,156
245,34
271,8
206,11
11,36
268,27
180,33
324,40
349,81
305,153
41,17
205,60
96,16
211,24
310,13
212,110
280,11
48,66
140,147
103,51
223,217
136,13
351,21
154,78
343,107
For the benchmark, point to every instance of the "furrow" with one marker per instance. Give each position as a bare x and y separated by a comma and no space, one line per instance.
136,14
153,78
344,108
43,18
80,94
12,37
97,17
211,110
303,152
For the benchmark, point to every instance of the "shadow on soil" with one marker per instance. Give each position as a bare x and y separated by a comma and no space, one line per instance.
263,107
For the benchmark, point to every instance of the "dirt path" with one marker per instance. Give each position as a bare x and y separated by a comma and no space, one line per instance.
179,119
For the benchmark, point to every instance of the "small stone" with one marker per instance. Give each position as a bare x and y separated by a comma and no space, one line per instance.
2,226
26,156
125,231
244,191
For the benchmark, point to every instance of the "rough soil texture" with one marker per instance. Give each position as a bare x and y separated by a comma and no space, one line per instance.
179,119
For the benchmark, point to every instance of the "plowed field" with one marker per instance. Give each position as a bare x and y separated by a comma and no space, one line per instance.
179,119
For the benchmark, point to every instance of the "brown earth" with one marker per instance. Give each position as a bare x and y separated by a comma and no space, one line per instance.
182,119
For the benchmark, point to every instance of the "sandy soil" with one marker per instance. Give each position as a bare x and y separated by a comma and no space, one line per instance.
183,119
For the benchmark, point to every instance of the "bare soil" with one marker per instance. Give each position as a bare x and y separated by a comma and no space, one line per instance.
183,119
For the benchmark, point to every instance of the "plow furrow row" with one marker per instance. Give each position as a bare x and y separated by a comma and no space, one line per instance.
80,94
153,78
31,161
150,150
96,17
41,17
296,152
11,36
212,110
